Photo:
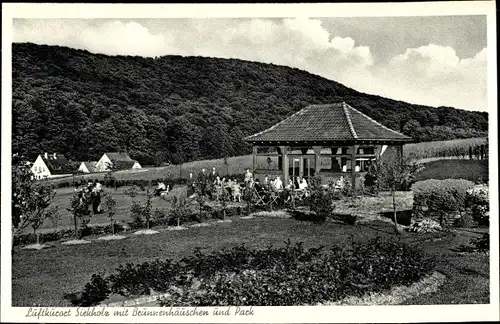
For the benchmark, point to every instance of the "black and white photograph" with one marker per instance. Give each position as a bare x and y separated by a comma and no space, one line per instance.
185,163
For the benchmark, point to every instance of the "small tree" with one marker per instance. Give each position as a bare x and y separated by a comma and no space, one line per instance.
224,199
200,199
31,201
226,165
80,203
395,172
110,175
141,212
179,211
111,206
54,216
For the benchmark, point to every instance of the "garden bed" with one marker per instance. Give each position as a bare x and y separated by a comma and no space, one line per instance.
288,275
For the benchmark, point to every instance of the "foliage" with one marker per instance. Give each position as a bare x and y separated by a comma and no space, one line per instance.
289,275
80,202
478,199
465,221
441,195
321,199
111,207
202,108
426,225
395,172
141,213
180,210
95,291
481,244
31,200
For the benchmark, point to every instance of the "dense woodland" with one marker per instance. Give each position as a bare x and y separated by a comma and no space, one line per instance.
179,109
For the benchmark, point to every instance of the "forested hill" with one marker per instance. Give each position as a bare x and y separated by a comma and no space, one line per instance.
182,108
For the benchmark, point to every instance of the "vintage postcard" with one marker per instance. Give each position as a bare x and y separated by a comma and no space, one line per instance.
249,163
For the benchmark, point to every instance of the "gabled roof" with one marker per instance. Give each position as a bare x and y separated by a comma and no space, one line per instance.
124,165
330,122
90,165
118,156
57,164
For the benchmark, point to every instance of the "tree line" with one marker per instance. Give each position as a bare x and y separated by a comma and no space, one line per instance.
181,109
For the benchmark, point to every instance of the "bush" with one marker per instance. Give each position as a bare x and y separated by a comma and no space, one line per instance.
289,275
477,199
481,244
425,226
95,291
465,221
442,195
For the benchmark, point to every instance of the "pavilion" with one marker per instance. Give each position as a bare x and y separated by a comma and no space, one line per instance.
337,133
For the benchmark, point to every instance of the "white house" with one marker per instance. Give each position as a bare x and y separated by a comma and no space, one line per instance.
50,166
87,167
120,161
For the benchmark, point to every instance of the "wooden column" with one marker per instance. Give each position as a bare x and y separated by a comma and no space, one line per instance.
317,159
354,150
400,154
283,150
280,159
254,159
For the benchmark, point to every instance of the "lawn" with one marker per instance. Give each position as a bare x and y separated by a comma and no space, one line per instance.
124,202
42,277
455,169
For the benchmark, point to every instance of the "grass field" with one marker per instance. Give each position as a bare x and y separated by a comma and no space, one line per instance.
455,169
442,148
42,277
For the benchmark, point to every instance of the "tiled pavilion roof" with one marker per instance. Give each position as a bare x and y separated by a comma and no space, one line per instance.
328,123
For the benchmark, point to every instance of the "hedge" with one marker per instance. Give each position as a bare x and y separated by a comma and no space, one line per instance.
285,276
442,195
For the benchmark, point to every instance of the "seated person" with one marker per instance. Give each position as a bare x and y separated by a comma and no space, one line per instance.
272,185
266,181
278,183
248,176
289,186
161,187
303,184
297,183
236,191
335,166
340,183
258,186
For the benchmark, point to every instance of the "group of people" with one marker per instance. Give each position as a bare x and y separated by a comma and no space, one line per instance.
162,189
213,185
91,192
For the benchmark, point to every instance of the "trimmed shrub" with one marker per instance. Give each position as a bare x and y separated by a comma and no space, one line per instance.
442,195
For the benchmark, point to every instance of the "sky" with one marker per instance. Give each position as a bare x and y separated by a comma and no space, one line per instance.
430,60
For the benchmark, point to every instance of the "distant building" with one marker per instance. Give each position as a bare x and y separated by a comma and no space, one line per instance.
87,167
119,161
50,166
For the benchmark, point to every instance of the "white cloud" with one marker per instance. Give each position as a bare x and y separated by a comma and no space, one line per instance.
430,74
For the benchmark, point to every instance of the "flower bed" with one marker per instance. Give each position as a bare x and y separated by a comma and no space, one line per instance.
289,275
